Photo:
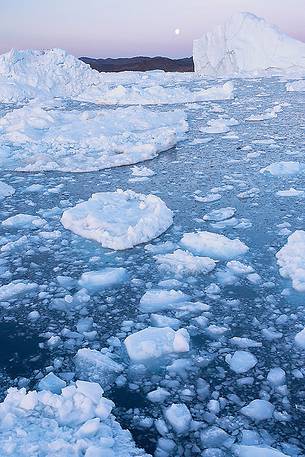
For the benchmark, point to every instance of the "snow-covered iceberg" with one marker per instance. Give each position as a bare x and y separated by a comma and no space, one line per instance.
76,422
247,45
119,220
34,138
44,74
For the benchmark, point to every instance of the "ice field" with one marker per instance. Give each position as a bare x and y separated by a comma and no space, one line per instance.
194,327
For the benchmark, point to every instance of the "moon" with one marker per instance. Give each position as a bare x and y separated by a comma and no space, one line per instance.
177,32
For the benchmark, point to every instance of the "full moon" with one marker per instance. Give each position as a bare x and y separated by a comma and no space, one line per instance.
177,31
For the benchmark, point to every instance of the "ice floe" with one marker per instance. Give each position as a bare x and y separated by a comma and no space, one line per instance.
213,245
34,138
152,343
291,260
119,220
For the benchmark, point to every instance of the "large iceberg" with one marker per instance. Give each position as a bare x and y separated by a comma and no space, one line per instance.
247,45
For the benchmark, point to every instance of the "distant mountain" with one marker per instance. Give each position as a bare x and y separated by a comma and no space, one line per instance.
140,64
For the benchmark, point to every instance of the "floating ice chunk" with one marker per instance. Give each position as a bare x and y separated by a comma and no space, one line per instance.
152,343
290,193
208,198
157,320
270,113
216,246
276,376
142,171
283,168
102,279
15,288
119,220
220,214
92,365
220,125
179,417
24,221
160,248
300,339
6,190
296,86
241,361
213,437
256,451
258,410
291,260
52,383
244,342
158,396
44,423
235,48
239,268
182,262
159,300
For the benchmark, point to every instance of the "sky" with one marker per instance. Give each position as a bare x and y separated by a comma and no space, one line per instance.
125,28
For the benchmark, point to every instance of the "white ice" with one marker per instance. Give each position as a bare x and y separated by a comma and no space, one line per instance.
241,361
182,262
152,343
92,365
247,45
101,279
291,260
119,220
213,245
44,423
283,168
34,138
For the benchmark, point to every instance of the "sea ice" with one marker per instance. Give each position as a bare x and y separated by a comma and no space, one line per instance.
291,260
101,279
152,343
241,361
258,410
119,220
77,420
24,221
283,168
34,138
182,262
155,300
213,245
296,86
256,451
92,365
6,190
179,417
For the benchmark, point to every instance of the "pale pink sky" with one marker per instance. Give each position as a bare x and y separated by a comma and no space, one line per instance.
119,28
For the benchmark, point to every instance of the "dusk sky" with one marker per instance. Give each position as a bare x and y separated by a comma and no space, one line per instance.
124,28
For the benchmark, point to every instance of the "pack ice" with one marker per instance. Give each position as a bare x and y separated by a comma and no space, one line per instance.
247,45
76,422
119,220
34,138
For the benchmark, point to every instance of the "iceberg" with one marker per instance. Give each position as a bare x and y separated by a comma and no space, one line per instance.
247,45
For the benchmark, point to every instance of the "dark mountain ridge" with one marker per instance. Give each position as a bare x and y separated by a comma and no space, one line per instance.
140,64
